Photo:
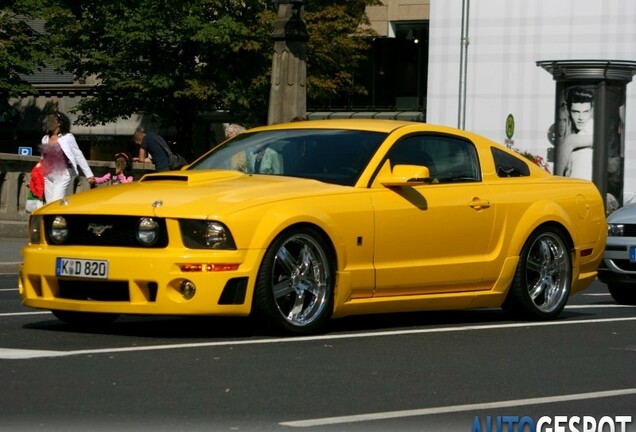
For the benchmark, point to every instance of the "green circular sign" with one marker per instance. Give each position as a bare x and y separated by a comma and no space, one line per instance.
510,126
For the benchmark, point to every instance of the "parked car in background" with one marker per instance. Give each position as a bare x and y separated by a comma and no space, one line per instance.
296,223
618,269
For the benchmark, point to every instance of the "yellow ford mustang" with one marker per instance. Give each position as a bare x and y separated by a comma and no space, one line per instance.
300,222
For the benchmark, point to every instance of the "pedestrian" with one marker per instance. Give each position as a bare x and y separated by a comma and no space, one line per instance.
121,173
239,160
232,130
61,157
151,149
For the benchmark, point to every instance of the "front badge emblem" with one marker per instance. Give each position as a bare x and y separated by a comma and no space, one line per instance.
98,229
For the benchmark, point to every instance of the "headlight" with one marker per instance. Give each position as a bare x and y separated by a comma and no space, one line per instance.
59,230
147,231
615,230
198,234
35,235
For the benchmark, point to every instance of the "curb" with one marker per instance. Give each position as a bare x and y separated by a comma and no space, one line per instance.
9,267
14,229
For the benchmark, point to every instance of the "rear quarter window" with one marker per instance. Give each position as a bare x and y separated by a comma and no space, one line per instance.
507,165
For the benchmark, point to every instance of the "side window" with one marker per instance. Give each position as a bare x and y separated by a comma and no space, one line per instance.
507,165
410,151
449,160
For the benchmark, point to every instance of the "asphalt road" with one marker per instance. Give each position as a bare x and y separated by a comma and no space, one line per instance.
435,371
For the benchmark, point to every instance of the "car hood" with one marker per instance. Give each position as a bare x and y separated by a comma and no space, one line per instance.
197,194
626,215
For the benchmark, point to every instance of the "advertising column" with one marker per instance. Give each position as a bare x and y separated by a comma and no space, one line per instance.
589,122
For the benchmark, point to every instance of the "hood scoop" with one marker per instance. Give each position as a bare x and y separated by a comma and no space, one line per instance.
188,176
161,177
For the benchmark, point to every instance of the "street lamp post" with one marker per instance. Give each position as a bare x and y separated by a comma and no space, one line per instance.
288,92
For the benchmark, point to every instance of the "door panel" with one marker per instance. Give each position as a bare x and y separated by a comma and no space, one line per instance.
433,237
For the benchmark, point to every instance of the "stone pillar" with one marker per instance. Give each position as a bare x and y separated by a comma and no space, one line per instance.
288,93
590,123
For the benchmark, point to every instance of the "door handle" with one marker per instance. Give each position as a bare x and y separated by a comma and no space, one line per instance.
479,204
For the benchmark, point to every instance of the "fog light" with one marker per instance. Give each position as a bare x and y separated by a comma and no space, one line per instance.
187,289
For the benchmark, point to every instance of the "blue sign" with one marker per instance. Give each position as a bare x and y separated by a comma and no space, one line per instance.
25,151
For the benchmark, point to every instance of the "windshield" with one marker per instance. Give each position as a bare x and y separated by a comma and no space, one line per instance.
331,156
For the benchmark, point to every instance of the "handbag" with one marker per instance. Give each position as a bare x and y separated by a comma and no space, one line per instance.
175,160
32,202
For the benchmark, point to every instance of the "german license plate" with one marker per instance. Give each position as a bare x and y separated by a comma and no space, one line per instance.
632,254
81,268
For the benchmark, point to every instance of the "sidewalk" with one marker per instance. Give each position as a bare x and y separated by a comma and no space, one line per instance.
13,237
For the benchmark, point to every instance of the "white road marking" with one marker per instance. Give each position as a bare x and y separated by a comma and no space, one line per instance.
456,408
599,306
9,353
8,314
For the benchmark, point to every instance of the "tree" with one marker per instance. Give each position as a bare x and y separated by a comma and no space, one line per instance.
338,44
21,51
173,59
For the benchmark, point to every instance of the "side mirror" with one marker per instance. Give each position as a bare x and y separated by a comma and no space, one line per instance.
406,175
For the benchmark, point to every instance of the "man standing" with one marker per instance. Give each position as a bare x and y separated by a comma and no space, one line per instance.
151,149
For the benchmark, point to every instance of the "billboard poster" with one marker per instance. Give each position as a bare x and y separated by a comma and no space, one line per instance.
615,120
578,147
574,131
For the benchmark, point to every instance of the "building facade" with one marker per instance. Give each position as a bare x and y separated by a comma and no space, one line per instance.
506,40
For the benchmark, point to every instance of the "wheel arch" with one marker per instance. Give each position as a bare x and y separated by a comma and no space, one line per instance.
542,214
333,254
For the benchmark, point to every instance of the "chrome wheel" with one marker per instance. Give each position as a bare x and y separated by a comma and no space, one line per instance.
547,272
543,277
294,288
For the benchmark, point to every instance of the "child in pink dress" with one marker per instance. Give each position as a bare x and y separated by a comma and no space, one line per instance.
121,174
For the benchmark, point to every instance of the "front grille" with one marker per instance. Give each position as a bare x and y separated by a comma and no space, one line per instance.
94,290
119,231
629,230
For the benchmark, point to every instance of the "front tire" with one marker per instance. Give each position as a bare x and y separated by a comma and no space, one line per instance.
623,293
294,288
542,281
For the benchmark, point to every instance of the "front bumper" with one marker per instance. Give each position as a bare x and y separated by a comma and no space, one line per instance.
140,281
616,266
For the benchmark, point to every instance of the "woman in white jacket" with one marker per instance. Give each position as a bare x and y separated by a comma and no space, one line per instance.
60,158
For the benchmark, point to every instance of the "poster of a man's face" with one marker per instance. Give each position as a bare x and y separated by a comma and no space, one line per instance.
580,103
575,133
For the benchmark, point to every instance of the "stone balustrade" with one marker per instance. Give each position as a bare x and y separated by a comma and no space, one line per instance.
15,173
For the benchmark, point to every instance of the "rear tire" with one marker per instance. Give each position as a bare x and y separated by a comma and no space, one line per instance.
542,281
295,284
623,293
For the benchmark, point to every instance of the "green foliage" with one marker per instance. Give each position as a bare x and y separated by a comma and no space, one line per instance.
21,51
338,43
172,60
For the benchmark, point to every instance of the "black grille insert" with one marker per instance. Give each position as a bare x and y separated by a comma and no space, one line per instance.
94,290
101,230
